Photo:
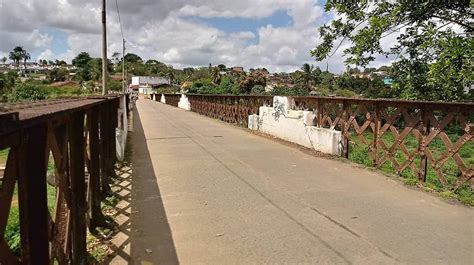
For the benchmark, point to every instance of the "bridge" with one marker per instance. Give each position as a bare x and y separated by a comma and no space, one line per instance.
203,191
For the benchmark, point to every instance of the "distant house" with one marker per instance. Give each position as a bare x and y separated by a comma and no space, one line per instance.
238,69
265,71
387,80
145,84
361,75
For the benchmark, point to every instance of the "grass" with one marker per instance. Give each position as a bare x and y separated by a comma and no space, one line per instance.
12,232
359,153
3,157
98,251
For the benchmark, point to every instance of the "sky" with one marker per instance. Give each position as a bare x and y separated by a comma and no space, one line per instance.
276,34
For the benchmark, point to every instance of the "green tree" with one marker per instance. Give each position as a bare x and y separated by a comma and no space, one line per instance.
215,75
222,67
170,75
258,90
306,75
115,58
133,58
203,86
7,83
226,85
16,56
427,43
58,75
26,56
4,60
27,91
81,60
94,66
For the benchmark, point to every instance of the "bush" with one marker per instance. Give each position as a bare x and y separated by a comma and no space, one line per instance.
257,90
345,93
167,90
286,91
114,85
226,85
58,75
203,86
27,91
64,91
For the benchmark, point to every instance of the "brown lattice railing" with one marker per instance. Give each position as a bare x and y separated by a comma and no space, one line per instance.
61,147
423,140
171,99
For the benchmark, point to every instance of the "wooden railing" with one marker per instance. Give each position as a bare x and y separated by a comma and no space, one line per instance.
411,138
75,139
171,99
232,109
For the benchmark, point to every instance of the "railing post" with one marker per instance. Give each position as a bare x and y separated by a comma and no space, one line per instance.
104,150
320,112
345,129
32,196
78,206
424,132
113,105
376,134
96,217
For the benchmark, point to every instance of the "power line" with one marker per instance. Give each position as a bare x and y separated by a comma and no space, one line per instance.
120,21
123,47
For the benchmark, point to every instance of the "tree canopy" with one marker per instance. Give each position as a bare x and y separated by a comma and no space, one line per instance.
434,50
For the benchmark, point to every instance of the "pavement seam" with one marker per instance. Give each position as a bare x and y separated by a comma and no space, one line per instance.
296,199
301,225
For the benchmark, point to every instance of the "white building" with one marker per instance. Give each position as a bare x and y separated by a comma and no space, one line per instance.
145,84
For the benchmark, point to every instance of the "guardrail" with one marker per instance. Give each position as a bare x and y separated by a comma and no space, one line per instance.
171,99
232,109
410,137
78,134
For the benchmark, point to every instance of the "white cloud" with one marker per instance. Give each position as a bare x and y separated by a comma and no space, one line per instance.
39,40
160,29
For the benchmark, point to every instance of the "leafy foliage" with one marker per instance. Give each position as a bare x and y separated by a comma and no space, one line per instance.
7,83
434,60
58,74
27,91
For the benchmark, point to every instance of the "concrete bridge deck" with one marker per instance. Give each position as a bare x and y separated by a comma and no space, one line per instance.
204,192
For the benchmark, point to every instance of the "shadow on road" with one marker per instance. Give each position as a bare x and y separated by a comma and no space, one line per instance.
144,235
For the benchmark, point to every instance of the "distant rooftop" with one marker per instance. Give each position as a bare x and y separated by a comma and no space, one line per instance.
150,80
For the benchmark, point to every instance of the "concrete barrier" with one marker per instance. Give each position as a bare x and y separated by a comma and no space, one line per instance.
184,103
295,126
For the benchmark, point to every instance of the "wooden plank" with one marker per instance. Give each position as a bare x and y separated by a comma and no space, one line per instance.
33,197
97,218
104,147
78,206
6,192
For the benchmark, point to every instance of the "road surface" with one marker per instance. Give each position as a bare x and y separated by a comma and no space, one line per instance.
205,192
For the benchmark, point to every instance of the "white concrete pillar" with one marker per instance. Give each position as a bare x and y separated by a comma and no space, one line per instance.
184,102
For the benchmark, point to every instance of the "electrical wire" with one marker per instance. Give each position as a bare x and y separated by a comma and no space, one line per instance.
120,20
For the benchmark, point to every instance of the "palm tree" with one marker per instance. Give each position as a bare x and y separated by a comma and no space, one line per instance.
170,75
215,75
115,57
26,56
16,55
307,74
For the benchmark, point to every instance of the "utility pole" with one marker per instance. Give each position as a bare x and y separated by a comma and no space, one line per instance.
104,50
124,80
